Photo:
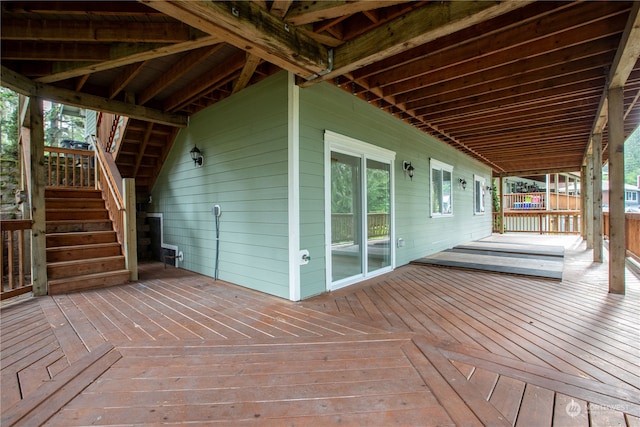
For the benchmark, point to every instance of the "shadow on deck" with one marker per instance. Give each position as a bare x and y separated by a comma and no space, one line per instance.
419,346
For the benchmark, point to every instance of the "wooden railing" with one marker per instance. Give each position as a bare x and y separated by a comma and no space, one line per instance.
540,201
119,196
15,265
111,130
342,226
68,167
632,232
543,222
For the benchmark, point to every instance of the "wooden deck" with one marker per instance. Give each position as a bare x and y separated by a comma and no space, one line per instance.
420,346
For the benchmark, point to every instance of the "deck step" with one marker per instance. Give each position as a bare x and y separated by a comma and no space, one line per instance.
65,226
88,281
76,252
74,203
76,214
67,192
62,269
80,238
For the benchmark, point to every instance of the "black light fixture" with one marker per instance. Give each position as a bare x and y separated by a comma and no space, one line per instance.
463,183
406,166
196,156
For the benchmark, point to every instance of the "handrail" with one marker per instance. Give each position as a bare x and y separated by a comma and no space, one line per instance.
110,172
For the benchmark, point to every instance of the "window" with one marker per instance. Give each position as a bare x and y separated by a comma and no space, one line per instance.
631,196
478,194
441,188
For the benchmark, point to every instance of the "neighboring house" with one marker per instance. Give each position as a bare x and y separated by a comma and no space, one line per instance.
631,196
268,156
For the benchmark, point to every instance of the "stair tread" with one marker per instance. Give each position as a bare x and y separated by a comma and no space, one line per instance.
83,246
66,221
79,233
84,261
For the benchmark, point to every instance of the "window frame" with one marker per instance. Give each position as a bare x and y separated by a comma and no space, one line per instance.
477,179
437,165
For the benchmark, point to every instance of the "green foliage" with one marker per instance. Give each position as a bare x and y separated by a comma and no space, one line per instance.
632,158
8,124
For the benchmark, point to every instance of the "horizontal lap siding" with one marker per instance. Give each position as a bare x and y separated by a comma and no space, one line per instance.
324,107
244,142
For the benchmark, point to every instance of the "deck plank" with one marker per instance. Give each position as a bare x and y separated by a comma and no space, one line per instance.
536,408
507,396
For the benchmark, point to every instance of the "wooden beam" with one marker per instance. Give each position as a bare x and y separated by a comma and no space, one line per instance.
25,86
617,238
37,202
249,27
97,31
621,67
306,12
126,75
629,50
246,73
206,80
418,27
125,54
279,8
179,69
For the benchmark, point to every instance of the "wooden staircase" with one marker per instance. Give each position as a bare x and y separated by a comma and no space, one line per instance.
82,247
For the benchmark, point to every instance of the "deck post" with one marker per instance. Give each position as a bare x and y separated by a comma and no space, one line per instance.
586,204
596,198
39,228
501,189
130,246
617,240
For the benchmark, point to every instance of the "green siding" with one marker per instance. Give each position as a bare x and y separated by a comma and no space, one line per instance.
244,142
325,107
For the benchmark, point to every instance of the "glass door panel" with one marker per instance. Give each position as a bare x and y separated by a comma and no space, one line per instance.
378,215
346,216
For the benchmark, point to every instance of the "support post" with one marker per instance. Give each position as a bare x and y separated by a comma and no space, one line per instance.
39,228
501,204
586,204
617,240
130,231
596,198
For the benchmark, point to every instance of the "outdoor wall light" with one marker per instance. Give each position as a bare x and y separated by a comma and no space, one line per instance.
463,183
196,156
406,166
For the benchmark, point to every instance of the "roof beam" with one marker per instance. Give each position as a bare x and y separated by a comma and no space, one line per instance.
247,71
247,26
306,12
415,28
180,68
135,53
25,86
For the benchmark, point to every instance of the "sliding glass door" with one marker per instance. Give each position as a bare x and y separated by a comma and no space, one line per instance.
360,198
